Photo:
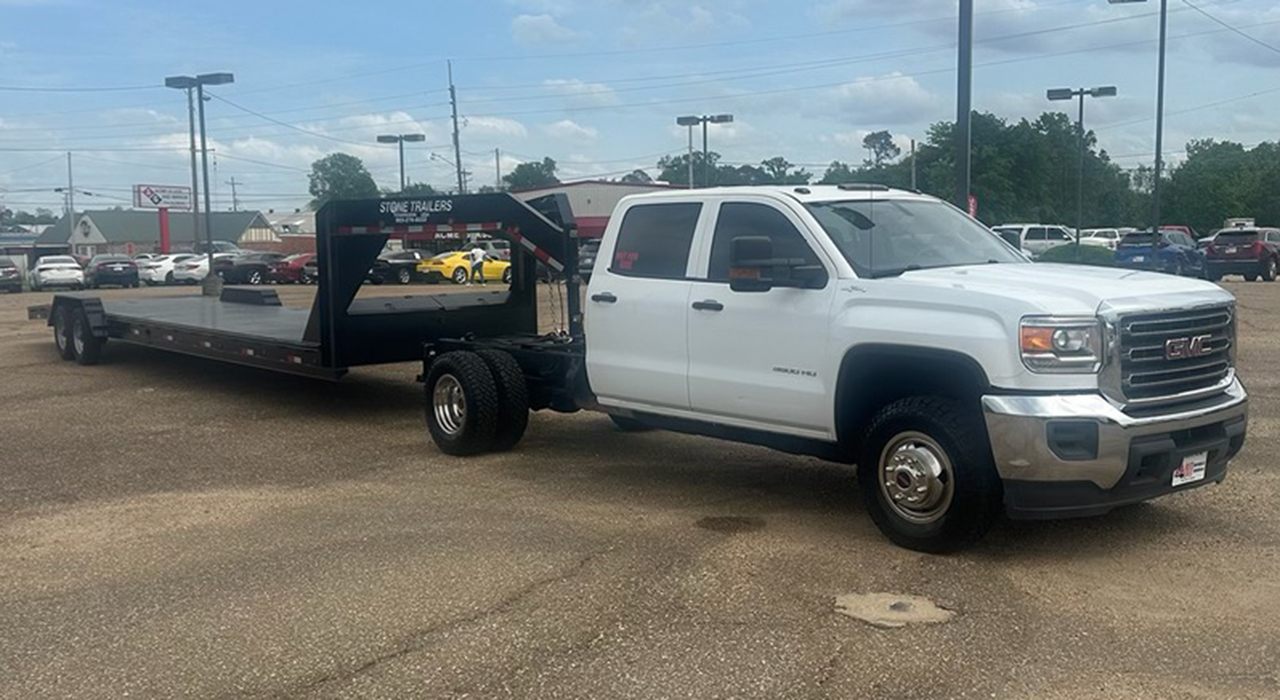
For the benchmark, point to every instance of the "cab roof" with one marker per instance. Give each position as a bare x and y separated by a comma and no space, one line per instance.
802,193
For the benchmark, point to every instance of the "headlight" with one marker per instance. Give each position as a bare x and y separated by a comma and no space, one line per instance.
1061,345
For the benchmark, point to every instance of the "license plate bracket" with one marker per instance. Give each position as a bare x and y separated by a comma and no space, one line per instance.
1192,469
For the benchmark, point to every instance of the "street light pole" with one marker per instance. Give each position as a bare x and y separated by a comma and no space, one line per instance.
964,105
691,121
1059,94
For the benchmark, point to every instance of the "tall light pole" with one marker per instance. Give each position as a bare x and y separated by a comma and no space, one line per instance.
705,119
1159,165
1067,94
183,82
400,139
212,285
964,105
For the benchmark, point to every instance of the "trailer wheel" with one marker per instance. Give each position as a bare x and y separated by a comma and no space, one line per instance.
87,347
513,398
62,333
927,474
462,404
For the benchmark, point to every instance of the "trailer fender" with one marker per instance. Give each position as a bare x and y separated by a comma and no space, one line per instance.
92,307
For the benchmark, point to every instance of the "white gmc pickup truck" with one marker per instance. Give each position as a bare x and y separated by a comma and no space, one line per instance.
886,329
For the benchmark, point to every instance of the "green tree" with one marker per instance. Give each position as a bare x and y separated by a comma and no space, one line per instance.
837,173
419,189
340,176
638,175
881,147
532,174
778,171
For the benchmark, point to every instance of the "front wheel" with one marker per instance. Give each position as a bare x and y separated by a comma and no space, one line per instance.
462,404
1269,270
506,276
461,275
254,277
1179,269
927,475
404,275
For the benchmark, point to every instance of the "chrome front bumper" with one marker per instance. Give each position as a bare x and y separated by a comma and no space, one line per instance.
1018,426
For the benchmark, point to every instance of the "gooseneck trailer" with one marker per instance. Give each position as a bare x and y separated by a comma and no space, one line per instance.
250,326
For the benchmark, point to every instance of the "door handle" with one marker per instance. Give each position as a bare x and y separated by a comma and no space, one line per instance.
604,297
708,305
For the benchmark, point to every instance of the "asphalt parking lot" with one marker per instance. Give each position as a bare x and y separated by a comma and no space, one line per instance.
171,526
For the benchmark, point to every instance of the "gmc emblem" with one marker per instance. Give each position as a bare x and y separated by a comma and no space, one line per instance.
1183,348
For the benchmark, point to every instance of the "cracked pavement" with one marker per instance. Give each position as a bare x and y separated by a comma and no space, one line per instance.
170,526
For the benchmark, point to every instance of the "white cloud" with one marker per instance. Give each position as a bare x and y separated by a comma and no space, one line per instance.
675,19
569,130
582,94
494,126
887,100
539,30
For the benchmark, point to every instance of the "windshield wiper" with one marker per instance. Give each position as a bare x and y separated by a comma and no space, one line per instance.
894,272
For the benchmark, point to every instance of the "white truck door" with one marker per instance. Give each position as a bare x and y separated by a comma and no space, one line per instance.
757,358
637,339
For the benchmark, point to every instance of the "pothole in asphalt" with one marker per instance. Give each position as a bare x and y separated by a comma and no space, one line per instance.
731,523
891,610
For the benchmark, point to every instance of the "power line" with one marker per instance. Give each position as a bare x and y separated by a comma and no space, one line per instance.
55,159
124,88
1257,41
291,126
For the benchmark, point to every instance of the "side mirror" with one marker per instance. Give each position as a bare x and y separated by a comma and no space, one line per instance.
748,258
753,268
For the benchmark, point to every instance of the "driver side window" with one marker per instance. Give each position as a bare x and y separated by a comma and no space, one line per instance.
751,219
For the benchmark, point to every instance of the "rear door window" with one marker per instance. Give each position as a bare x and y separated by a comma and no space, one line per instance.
1036,233
1057,234
654,240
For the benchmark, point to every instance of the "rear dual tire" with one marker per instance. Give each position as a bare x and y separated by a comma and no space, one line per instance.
476,402
74,338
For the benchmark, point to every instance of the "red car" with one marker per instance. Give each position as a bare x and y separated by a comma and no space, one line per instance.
292,269
1251,252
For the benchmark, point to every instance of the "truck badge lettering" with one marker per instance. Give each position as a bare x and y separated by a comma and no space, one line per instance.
1184,348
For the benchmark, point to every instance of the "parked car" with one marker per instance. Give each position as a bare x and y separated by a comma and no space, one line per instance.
1173,252
1105,237
291,269
159,269
499,249
1252,253
252,268
1034,238
400,267
456,266
194,269
1191,233
217,246
10,276
587,258
111,269
57,271
140,257
311,271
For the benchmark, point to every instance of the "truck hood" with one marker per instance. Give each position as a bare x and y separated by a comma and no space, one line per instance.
1072,289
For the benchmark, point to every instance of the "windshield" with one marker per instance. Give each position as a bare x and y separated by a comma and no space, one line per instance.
881,238
1236,237
1137,239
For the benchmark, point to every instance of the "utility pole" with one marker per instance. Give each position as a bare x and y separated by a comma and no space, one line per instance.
690,157
964,104
1155,185
195,191
71,201
913,164
235,200
497,169
457,147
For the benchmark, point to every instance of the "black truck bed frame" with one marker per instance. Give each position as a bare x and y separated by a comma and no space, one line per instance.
249,326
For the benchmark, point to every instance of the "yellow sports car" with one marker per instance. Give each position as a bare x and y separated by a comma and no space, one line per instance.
456,266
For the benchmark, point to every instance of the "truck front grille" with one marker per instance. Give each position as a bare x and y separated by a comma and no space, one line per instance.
1175,354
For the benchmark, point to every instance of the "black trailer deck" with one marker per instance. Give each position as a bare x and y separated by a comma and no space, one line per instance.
248,325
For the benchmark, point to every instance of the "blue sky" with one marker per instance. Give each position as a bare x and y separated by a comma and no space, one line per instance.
595,84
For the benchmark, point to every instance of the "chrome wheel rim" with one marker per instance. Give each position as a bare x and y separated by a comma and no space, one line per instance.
404,276
460,276
60,331
255,277
449,404
77,335
916,477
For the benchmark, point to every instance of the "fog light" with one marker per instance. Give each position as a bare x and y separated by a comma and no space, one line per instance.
1073,440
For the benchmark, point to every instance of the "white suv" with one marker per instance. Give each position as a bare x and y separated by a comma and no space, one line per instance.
1034,238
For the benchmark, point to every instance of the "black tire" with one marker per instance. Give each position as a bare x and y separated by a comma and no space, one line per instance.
404,275
62,333
462,377
87,347
1179,269
1269,270
461,275
513,398
1250,278
506,276
971,493
629,425
168,278
254,277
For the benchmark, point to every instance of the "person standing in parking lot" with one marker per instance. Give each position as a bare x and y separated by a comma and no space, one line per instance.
477,264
